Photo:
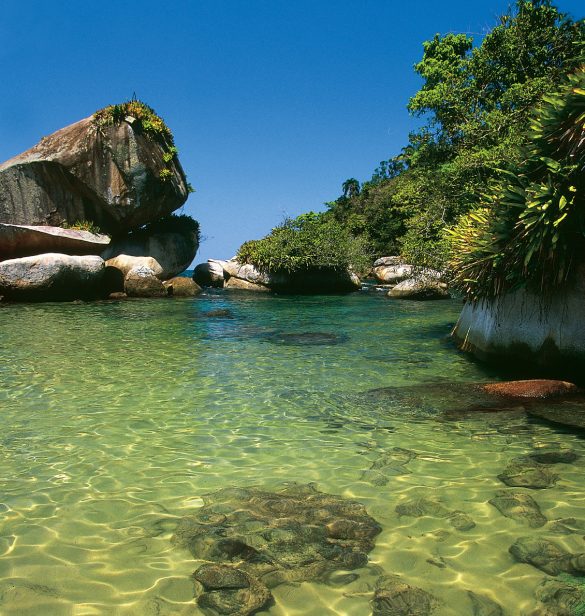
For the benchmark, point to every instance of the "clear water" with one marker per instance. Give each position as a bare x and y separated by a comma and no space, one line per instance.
118,416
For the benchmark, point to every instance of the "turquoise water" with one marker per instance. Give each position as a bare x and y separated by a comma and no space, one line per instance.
119,416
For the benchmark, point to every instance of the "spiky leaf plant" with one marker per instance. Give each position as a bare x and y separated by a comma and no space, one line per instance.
531,227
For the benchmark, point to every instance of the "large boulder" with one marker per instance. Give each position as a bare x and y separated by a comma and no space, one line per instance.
311,281
172,251
419,289
182,287
141,281
25,241
209,274
52,276
125,263
115,174
522,328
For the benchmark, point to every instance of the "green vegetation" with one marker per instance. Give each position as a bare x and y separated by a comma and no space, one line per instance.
146,121
173,223
152,125
82,225
478,103
310,241
531,226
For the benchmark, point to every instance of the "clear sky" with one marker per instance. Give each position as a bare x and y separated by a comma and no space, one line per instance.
273,103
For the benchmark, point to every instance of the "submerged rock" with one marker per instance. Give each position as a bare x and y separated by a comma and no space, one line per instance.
559,598
525,472
292,535
393,597
389,463
52,276
547,556
306,338
570,414
219,313
229,590
484,606
422,507
518,506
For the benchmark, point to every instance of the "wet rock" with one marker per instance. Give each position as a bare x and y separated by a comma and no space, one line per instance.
28,240
392,273
393,597
219,313
535,388
554,456
229,590
292,535
52,276
389,463
419,289
569,414
484,606
209,274
524,472
519,506
567,526
245,285
306,338
181,287
547,556
559,598
141,281
422,507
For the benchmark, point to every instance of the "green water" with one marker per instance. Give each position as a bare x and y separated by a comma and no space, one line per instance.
118,416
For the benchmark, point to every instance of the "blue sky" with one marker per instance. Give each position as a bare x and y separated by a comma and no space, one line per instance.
273,103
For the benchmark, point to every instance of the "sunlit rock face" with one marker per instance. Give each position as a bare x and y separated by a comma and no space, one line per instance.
527,331
113,175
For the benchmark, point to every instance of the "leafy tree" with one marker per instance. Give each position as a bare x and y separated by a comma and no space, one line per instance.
310,241
350,188
531,227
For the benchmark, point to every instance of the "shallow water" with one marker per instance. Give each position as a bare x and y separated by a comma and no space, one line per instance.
119,416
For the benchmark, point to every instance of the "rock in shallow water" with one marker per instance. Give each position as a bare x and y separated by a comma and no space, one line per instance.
519,506
393,597
422,507
292,535
547,556
525,472
52,276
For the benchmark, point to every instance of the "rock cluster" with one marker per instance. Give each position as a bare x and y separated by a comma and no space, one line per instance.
231,274
407,281
254,540
113,176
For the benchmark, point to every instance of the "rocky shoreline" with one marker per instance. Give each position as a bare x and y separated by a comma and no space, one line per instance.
108,172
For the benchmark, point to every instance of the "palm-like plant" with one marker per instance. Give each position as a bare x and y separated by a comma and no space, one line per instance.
531,228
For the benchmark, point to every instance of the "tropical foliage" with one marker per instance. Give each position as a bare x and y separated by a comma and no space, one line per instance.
311,241
477,102
531,227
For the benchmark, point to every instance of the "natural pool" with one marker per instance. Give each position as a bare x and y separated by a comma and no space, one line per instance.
119,416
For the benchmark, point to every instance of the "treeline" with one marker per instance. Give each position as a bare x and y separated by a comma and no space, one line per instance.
478,102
